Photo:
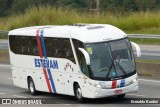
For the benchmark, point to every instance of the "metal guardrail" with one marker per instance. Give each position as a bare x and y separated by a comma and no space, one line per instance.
144,36
3,32
141,36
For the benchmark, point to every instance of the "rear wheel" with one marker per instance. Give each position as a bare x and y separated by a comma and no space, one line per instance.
78,93
31,86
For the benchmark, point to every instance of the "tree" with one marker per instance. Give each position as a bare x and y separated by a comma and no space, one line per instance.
4,7
22,5
72,3
146,4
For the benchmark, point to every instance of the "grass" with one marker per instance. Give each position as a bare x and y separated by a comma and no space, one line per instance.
145,74
4,36
131,22
3,23
146,41
149,61
2,51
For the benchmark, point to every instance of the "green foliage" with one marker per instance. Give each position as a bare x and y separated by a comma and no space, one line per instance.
19,6
146,4
4,8
9,7
130,22
72,3
149,61
146,41
44,15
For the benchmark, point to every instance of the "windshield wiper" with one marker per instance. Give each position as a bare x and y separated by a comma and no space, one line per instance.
110,69
117,62
124,72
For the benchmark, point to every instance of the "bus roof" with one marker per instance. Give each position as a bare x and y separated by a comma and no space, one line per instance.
84,32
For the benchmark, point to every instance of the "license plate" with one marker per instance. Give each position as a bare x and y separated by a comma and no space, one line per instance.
118,91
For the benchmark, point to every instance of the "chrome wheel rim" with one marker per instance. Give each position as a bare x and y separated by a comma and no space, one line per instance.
31,86
79,93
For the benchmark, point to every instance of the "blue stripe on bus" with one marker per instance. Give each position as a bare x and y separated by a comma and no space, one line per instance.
122,84
52,82
45,56
43,44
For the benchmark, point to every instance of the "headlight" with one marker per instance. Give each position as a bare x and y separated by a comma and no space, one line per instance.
136,79
94,84
100,84
132,81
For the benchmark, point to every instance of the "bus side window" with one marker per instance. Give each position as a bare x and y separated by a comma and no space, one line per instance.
15,44
67,50
59,48
80,56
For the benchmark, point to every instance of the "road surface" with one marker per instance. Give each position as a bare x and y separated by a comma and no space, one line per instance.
3,44
147,89
149,52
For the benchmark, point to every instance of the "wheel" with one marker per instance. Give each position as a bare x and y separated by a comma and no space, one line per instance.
31,86
121,96
78,93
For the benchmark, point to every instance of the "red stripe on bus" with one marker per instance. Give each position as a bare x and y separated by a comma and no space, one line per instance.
39,44
114,83
41,56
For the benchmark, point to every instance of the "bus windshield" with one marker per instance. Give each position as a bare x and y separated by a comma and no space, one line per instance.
110,60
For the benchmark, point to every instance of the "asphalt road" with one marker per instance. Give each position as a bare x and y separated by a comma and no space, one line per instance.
3,44
147,89
149,52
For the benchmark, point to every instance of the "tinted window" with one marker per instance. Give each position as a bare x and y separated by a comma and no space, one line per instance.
55,47
80,56
78,44
25,45
60,48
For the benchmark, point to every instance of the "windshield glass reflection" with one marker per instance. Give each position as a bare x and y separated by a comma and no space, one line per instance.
111,59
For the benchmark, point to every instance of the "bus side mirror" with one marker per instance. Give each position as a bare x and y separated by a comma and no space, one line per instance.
138,49
86,55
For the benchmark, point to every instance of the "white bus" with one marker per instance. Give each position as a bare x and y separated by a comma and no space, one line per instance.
82,60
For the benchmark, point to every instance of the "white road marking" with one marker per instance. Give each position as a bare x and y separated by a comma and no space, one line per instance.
149,80
3,65
67,104
19,96
137,95
9,78
2,93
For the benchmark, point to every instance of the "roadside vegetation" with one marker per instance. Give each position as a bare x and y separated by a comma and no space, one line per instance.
130,22
146,41
149,61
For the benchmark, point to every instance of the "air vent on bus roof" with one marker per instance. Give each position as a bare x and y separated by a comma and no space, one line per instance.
78,24
95,27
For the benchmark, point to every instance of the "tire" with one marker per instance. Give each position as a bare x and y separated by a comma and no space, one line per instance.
78,93
121,96
31,86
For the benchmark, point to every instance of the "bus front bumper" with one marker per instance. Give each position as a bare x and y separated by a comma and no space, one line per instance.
100,93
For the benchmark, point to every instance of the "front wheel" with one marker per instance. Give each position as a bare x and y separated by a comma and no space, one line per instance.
78,93
31,86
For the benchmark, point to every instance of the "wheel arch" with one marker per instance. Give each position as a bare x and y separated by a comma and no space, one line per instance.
74,85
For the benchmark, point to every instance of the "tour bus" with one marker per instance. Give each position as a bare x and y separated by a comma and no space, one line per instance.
81,60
